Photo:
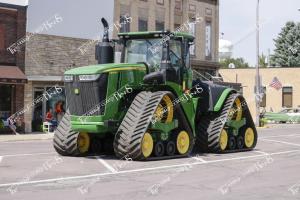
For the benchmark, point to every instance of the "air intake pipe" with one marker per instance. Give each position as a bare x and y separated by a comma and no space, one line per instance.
104,50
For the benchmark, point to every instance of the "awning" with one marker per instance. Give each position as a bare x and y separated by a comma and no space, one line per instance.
45,78
12,75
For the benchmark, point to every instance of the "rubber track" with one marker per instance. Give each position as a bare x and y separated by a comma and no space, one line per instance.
211,125
135,123
65,140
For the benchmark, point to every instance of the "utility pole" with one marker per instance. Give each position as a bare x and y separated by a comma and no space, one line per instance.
257,77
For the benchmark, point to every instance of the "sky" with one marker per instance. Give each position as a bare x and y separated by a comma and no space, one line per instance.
238,23
81,19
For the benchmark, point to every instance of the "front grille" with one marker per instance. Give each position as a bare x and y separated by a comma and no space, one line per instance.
89,98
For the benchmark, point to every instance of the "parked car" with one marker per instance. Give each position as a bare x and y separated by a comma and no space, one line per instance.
285,115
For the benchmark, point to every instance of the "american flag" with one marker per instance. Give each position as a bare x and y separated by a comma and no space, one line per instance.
276,83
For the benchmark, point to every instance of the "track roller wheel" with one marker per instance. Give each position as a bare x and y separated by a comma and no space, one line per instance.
223,140
231,143
240,142
147,145
183,142
170,149
249,137
159,149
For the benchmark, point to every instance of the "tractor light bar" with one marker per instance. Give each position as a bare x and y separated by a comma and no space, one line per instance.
68,78
91,77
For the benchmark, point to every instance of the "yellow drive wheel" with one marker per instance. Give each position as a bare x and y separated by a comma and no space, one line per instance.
159,113
147,145
223,140
249,137
165,111
83,142
183,142
236,112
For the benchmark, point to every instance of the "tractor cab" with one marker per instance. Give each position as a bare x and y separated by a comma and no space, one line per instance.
165,55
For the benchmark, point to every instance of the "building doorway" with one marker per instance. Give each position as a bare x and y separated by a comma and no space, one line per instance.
5,100
47,98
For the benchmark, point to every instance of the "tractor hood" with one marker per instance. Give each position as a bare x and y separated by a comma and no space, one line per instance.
104,68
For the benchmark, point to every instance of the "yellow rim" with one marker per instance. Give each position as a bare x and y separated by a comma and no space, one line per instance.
183,142
166,109
239,109
249,137
159,113
223,139
169,105
147,145
83,141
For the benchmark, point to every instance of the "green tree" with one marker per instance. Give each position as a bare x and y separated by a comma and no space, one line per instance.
287,46
262,61
238,62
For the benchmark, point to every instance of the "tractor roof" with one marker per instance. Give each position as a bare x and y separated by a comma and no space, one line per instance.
155,34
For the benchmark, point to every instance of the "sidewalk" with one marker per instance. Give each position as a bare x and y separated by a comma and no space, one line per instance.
24,137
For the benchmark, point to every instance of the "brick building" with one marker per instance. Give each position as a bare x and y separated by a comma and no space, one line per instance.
47,58
151,15
12,59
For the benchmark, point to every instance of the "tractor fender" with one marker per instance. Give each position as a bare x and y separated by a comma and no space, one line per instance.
220,97
213,96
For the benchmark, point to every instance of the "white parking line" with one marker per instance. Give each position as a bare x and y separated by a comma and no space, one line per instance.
275,136
139,170
289,143
29,141
199,159
28,154
105,164
261,152
1,158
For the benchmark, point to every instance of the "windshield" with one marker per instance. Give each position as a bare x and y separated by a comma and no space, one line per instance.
141,51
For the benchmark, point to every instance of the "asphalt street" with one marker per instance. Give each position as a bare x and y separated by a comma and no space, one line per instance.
32,170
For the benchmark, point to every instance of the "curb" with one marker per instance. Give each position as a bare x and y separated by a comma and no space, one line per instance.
264,127
26,137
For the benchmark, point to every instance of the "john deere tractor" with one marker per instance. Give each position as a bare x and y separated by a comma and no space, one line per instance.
148,106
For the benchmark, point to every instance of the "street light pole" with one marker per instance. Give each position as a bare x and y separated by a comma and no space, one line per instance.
257,77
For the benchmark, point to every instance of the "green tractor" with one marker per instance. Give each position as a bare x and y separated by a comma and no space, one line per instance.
148,106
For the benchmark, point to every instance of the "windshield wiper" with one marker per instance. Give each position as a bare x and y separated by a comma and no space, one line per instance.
174,54
149,42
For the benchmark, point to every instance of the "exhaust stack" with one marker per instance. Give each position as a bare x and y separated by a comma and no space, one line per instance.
104,50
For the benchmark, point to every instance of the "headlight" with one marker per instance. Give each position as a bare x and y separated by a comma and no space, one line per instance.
68,78
92,77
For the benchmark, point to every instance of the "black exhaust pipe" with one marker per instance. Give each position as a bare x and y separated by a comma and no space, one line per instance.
104,50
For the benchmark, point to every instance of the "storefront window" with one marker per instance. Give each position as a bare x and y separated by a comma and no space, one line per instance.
5,101
52,103
56,103
287,97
